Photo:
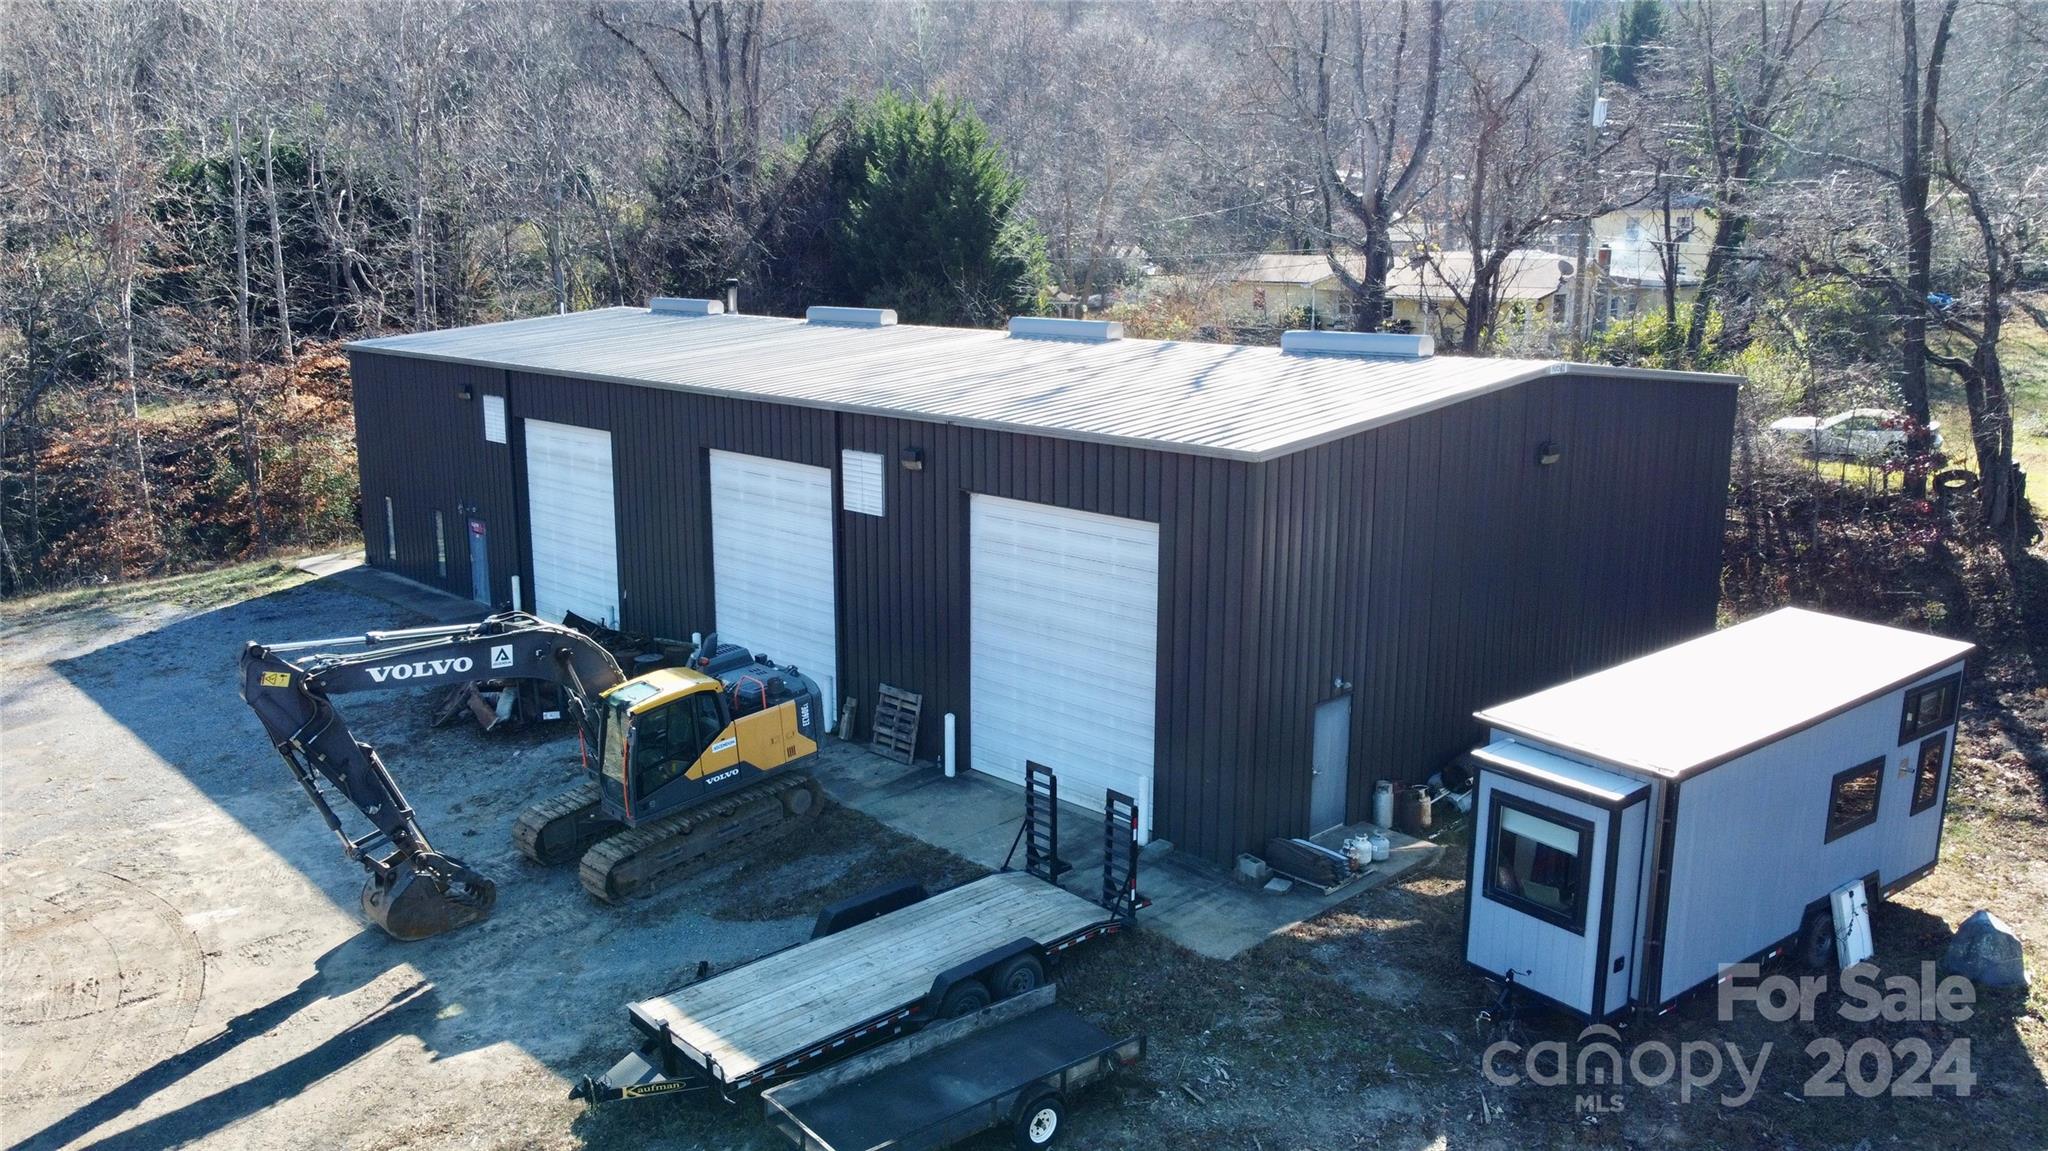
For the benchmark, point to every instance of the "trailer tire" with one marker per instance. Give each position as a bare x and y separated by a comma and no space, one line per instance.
1039,1122
964,998
1817,940
1018,976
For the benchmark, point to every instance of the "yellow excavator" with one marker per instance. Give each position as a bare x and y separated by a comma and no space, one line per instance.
678,763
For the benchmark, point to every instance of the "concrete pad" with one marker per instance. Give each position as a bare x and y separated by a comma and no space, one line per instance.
1195,903
347,569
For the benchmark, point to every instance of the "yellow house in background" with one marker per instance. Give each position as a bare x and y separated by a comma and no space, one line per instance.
1628,245
1424,285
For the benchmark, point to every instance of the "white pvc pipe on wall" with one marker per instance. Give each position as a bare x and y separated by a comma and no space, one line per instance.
952,745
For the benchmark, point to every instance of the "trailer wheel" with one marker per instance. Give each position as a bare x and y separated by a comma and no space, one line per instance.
1817,940
1018,976
1039,1122
964,998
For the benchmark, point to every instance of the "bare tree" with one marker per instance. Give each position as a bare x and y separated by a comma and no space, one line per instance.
1523,169
1751,72
1365,95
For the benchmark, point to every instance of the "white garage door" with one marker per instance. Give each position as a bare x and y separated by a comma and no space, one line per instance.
771,560
575,538
1065,616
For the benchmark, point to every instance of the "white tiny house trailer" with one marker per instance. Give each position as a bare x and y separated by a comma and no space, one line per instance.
1636,829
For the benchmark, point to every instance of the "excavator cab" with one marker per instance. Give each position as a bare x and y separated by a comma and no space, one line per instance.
659,731
674,737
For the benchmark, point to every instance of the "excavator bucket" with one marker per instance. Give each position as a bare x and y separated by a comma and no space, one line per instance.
414,899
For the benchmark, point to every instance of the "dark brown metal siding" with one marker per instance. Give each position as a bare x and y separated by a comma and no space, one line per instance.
1438,568
420,443
904,594
661,472
1431,563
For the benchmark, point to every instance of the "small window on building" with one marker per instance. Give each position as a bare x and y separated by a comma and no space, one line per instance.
1927,777
494,419
1929,708
440,546
390,531
1538,862
1852,798
860,482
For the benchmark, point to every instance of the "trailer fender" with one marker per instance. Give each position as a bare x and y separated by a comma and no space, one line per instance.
858,909
978,970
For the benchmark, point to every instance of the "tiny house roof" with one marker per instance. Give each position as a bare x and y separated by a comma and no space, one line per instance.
1227,400
1705,701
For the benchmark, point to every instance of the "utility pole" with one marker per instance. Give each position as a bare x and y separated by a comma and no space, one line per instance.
1584,286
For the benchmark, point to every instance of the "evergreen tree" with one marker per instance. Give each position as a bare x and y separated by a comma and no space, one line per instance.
1625,52
930,224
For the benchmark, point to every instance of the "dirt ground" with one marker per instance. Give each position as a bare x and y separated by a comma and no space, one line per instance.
183,963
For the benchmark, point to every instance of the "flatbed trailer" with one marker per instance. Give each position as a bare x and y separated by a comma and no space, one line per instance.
877,966
1017,1064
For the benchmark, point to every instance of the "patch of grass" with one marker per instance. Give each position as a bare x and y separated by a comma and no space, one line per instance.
192,590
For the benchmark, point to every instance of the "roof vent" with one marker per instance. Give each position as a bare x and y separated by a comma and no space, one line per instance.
1380,345
678,306
1076,331
852,317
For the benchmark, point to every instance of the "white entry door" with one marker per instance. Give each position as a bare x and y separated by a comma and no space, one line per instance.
772,568
1064,617
575,537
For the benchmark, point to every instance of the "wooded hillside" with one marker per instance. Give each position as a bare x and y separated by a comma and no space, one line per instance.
199,199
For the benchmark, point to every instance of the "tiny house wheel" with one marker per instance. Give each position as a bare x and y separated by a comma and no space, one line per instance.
1817,940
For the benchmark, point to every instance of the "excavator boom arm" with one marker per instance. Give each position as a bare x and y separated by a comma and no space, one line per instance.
414,891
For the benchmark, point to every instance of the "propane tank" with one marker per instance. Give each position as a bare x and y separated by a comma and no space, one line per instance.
1412,810
1383,803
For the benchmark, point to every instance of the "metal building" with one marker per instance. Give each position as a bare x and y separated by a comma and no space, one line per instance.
1238,583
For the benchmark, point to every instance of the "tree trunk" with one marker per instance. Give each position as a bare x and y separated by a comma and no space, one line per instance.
277,276
252,450
1668,259
239,199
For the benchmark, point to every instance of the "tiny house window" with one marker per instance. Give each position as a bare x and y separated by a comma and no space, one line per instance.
1927,779
1852,798
440,546
494,419
1538,861
390,531
1929,708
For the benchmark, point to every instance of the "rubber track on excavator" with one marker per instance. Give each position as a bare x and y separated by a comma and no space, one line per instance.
601,864
533,822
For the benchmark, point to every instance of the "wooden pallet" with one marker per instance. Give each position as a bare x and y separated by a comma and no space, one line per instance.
896,715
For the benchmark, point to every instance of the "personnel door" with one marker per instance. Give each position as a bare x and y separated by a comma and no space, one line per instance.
1329,789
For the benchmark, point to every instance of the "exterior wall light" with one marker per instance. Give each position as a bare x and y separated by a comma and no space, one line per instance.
1547,452
913,459
465,392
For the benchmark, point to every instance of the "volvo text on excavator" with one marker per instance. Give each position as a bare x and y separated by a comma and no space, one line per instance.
678,762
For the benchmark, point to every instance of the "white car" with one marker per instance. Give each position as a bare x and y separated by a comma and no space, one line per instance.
1859,433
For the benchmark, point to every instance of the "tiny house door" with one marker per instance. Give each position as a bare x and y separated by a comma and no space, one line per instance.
1329,789
479,563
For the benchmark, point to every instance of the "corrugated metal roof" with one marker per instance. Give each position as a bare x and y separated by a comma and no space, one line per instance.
1705,700
1226,400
